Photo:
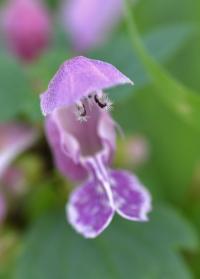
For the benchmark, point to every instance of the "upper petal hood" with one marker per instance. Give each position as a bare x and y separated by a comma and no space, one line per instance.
77,78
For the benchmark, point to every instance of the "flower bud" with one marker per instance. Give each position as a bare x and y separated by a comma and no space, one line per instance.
26,27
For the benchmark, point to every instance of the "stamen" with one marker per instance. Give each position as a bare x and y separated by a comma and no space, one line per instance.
103,101
90,101
80,112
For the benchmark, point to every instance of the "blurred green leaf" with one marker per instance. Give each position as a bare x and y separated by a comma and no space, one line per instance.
9,244
14,88
162,43
174,143
125,250
169,113
193,213
41,199
184,102
154,13
43,70
40,73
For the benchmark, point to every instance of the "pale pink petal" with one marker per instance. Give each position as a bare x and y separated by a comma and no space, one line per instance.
132,201
26,25
77,78
14,180
107,133
88,21
3,208
136,150
89,210
14,139
65,159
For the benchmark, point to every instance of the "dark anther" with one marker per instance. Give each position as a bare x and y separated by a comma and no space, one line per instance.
82,110
99,102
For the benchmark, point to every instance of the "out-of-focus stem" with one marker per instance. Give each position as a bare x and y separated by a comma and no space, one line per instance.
148,61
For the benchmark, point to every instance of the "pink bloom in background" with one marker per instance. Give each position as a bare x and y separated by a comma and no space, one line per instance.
26,26
14,180
137,150
2,208
14,139
89,21
84,151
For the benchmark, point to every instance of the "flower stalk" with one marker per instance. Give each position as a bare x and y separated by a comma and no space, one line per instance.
154,70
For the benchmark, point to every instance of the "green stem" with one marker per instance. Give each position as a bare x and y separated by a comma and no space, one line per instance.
148,61
183,102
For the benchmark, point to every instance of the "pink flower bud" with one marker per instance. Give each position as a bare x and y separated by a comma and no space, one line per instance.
14,180
137,150
26,26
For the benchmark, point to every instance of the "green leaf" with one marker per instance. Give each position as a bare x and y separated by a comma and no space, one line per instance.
126,250
194,212
14,88
169,113
162,43
9,244
40,73
182,101
45,68
173,143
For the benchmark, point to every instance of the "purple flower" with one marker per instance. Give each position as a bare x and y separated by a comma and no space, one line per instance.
80,78
26,25
84,151
88,21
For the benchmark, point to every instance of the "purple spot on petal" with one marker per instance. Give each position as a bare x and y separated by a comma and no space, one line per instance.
132,200
88,210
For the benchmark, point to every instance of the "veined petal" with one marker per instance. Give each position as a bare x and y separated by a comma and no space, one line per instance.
89,210
107,134
99,172
65,149
132,201
73,142
77,78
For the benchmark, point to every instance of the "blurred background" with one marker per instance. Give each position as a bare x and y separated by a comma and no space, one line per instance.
160,117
